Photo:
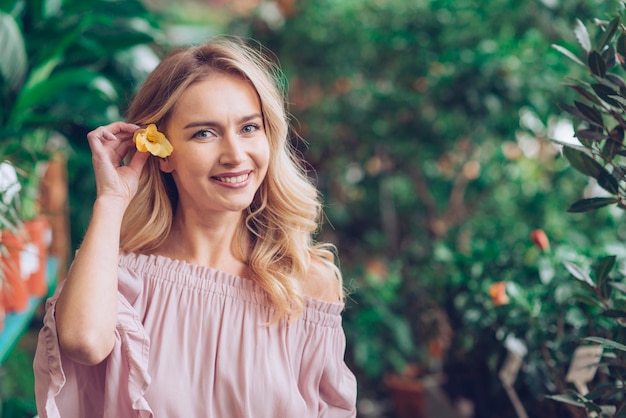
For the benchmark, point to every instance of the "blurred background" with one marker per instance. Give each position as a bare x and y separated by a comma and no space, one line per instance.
428,126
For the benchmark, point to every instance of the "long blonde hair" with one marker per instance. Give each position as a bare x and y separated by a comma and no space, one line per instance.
286,210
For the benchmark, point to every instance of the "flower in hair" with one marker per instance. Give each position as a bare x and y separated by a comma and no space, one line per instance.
152,141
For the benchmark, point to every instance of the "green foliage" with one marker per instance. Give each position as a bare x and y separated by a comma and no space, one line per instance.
18,382
600,112
406,106
383,338
425,125
67,67
67,80
600,115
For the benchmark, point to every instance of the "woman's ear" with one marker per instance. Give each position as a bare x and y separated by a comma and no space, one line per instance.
165,165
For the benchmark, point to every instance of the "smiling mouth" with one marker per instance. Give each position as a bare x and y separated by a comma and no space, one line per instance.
233,180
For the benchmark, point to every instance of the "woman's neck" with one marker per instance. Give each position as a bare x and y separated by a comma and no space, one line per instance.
211,242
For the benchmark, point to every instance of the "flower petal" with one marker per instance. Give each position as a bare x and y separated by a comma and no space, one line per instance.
152,141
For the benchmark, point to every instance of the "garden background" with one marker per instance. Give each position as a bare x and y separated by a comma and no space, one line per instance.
428,126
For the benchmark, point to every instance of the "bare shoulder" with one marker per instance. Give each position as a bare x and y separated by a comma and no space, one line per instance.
322,282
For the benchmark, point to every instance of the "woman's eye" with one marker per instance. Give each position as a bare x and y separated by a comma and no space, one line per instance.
252,127
204,133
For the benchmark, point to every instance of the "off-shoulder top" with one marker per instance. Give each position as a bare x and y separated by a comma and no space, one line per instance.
190,341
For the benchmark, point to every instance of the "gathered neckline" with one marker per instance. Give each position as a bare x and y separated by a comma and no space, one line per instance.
205,278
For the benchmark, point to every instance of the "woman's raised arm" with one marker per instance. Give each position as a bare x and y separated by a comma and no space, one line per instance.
86,311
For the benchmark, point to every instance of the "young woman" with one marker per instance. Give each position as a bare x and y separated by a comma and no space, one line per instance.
198,290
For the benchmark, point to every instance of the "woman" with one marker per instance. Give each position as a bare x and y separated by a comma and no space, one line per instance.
198,290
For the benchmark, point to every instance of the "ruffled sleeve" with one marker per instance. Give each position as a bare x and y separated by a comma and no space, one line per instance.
336,389
65,388
338,385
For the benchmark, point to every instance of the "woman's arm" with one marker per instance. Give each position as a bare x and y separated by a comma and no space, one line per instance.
86,311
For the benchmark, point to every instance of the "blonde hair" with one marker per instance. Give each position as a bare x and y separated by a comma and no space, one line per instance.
286,210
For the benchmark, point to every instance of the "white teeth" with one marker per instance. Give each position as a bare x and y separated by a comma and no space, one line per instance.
238,179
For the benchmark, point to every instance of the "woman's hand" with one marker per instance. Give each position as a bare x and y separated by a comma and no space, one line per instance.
109,145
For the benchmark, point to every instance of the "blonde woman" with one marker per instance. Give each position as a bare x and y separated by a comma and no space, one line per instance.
198,290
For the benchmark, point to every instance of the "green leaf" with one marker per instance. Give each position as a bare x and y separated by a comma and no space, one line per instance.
401,332
604,342
121,37
593,98
610,57
603,268
583,162
580,31
572,111
590,135
568,54
610,149
620,99
587,205
590,300
566,399
13,59
590,114
621,49
51,8
619,286
617,134
615,79
606,179
609,33
578,273
605,93
614,313
42,72
596,64
45,91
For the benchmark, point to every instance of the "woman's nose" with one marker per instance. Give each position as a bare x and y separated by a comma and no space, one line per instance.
231,152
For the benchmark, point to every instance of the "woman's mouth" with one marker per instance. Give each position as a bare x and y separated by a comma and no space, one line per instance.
233,179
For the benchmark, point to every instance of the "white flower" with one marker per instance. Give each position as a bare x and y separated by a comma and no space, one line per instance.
29,260
9,184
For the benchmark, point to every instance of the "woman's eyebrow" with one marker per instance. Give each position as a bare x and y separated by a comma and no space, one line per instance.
241,120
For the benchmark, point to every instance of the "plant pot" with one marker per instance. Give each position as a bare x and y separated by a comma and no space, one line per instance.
54,204
15,290
2,308
407,395
39,235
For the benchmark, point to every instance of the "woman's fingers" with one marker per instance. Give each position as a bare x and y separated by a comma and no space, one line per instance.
116,129
116,132
110,144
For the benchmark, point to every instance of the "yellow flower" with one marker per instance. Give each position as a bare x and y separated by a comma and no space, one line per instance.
152,141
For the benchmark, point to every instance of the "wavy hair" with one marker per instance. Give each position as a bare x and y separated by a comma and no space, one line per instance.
286,210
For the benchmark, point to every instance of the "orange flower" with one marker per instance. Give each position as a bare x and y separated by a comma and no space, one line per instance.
436,348
152,141
540,239
497,291
377,270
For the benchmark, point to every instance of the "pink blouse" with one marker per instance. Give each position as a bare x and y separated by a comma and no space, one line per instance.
190,342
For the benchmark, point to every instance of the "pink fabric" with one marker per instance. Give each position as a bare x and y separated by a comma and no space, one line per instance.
190,343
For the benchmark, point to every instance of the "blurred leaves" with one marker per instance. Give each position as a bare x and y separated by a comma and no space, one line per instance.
426,126
599,156
67,67
14,62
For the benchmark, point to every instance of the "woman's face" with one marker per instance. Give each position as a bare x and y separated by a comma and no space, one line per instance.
221,152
